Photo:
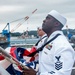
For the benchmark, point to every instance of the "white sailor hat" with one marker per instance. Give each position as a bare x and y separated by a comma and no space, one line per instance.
58,16
39,27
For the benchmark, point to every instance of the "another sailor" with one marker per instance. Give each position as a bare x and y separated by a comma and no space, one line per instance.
42,38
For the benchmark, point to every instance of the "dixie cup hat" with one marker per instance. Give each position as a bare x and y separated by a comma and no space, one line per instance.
58,16
39,27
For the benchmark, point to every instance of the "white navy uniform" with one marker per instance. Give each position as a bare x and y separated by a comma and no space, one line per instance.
57,57
43,38
40,42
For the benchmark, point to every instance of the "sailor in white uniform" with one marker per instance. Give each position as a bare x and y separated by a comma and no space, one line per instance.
57,57
42,35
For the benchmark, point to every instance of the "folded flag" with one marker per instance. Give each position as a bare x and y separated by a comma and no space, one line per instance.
21,55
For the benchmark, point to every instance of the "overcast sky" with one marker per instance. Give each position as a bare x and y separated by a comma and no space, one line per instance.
11,10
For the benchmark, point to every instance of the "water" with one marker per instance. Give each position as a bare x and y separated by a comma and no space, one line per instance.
23,42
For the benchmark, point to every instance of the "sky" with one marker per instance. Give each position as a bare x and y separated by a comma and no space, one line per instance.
14,12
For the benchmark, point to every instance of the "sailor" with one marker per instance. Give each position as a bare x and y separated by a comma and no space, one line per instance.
57,56
59,53
42,35
42,39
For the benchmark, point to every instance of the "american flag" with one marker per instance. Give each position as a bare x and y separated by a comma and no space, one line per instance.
21,55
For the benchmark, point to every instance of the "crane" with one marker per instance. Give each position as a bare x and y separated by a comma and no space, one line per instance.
6,32
24,19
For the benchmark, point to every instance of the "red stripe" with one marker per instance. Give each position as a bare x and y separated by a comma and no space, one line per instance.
12,51
2,58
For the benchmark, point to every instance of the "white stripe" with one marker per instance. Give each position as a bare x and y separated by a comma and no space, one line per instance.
4,63
3,71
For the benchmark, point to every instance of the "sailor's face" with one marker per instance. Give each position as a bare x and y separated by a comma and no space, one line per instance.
47,24
39,31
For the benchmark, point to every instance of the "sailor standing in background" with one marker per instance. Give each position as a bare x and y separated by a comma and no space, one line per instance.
42,38
59,53
42,35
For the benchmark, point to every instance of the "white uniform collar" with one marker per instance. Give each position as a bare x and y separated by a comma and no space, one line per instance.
55,33
44,35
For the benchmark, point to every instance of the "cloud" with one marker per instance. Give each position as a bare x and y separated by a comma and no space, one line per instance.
11,10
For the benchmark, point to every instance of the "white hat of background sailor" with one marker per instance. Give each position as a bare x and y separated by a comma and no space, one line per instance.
39,27
58,16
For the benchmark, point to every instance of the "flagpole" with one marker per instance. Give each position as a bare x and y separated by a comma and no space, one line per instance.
11,59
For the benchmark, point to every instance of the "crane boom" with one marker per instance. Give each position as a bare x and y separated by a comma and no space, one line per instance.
24,19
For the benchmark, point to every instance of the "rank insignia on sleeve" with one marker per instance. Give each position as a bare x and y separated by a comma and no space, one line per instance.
58,64
49,46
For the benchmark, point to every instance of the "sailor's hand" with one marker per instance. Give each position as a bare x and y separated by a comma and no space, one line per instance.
29,72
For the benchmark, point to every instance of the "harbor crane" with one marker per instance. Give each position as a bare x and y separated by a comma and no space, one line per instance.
6,32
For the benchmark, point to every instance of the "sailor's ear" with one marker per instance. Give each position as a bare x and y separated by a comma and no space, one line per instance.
57,23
